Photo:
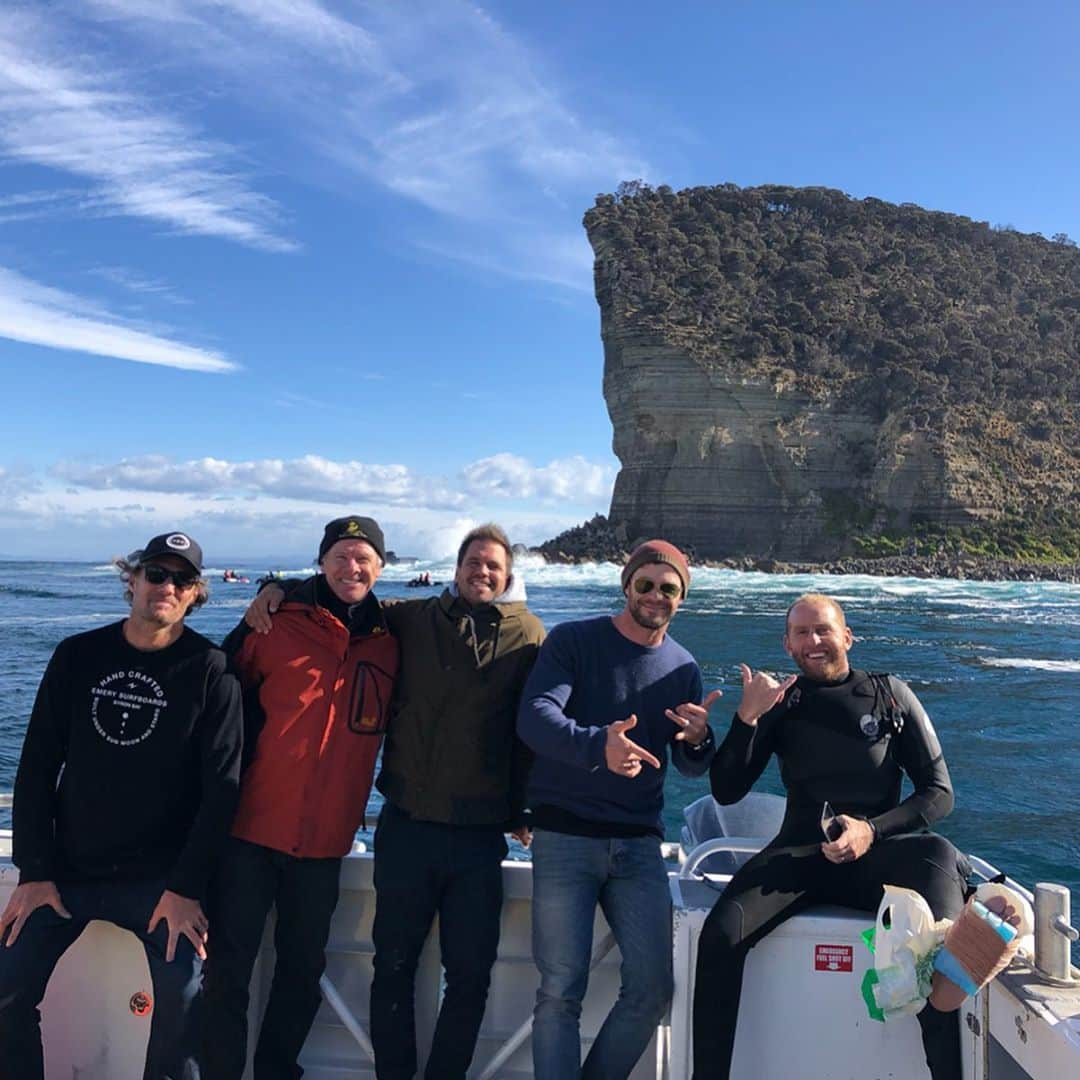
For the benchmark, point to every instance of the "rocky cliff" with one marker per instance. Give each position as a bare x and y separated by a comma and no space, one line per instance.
797,374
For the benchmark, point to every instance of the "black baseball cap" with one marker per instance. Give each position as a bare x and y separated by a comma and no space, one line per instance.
175,543
353,527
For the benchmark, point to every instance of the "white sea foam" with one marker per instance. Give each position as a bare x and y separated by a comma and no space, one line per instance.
1027,662
531,568
23,621
723,591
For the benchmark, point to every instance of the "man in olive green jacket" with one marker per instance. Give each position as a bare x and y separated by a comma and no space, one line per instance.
453,776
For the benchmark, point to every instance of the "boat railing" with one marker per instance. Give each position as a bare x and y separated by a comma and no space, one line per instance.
355,1027
738,844
989,872
347,1017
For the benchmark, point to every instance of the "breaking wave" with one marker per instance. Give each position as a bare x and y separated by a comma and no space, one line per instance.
1031,664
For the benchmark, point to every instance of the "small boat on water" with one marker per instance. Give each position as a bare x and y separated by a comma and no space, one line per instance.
802,1015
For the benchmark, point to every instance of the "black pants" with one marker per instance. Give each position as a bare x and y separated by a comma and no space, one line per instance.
423,869
251,879
25,968
778,883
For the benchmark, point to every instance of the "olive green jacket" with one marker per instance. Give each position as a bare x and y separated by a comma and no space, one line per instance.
451,753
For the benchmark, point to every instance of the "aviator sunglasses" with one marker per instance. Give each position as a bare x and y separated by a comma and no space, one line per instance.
668,589
158,575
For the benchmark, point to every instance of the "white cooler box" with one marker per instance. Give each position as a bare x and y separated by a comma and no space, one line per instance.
802,1013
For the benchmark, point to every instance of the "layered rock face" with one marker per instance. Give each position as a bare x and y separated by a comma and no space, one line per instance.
793,374
730,467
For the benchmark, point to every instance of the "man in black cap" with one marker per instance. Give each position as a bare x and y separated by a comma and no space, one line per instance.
126,786
317,689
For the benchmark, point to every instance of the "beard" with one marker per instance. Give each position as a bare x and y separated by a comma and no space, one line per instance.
648,620
831,669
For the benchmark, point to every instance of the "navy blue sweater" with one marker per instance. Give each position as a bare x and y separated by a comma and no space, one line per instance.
587,676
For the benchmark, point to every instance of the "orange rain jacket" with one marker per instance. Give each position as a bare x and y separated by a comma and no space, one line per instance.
324,695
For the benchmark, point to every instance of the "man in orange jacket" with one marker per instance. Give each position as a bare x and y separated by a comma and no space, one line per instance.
317,688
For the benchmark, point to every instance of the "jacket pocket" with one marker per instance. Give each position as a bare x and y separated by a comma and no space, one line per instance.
372,685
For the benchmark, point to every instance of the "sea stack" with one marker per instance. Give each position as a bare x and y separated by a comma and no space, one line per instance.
799,374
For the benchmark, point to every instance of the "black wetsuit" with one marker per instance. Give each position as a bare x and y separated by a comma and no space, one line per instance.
849,743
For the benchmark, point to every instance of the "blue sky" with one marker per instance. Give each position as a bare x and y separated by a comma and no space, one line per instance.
266,261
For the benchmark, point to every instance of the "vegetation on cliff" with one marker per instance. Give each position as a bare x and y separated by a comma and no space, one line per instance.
940,324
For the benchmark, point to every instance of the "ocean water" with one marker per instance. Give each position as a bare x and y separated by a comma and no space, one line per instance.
997,665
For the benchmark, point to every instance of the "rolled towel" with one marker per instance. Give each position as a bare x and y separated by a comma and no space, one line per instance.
977,946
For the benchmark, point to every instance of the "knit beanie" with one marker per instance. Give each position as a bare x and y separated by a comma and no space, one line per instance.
353,528
657,551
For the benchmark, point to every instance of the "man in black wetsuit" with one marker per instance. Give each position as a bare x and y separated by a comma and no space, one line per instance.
844,737
125,790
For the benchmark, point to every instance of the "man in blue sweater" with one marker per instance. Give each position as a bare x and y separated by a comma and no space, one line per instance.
606,699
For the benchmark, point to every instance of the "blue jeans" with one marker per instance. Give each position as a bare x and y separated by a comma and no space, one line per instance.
424,868
571,875
252,879
25,968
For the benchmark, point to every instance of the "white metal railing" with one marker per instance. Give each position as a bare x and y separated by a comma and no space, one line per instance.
714,846
517,1039
347,1017
505,1052
987,871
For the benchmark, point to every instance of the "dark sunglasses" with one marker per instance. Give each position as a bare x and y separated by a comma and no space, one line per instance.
182,579
668,589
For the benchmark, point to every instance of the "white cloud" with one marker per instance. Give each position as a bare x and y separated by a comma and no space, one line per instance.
17,479
433,100
34,205
138,283
40,315
509,476
559,259
90,524
66,114
298,24
311,478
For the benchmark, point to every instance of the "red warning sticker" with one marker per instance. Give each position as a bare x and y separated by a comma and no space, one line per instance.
833,957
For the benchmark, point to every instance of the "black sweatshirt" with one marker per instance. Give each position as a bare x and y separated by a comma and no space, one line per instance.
837,742
149,747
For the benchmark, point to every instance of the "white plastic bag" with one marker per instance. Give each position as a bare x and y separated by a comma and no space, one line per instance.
905,939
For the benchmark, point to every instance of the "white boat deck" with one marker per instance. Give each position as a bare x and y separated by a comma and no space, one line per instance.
795,1021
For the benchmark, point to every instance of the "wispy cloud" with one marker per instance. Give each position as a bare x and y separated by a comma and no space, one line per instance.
316,479
40,315
35,205
138,283
17,479
298,24
59,110
434,101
